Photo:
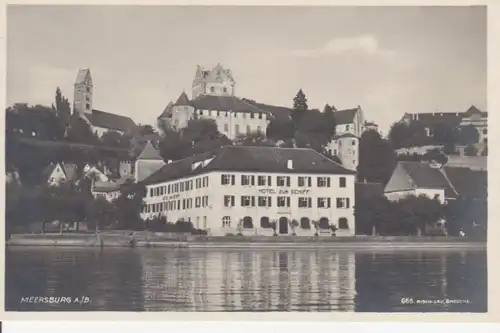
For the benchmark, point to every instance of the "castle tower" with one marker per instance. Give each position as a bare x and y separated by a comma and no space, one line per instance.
83,89
182,112
218,81
148,162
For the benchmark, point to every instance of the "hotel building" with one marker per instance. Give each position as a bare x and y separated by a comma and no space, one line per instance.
237,189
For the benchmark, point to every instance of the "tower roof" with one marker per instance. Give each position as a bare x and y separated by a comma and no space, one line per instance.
183,100
167,112
149,153
83,76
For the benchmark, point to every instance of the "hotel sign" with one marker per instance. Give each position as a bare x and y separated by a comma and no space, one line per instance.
284,191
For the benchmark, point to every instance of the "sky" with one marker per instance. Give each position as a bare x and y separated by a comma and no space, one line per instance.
388,60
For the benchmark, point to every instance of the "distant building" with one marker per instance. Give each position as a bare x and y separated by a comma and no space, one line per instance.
107,190
217,81
148,162
99,121
419,178
473,116
350,127
242,189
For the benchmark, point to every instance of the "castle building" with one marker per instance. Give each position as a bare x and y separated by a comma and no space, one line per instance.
213,98
238,189
100,122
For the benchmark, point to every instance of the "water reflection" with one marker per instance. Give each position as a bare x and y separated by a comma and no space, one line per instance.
246,280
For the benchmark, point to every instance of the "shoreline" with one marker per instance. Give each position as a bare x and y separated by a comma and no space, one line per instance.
287,242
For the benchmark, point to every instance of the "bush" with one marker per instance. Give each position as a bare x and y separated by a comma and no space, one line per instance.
470,150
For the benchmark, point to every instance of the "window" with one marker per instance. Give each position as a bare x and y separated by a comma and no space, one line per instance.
200,112
205,181
304,181
323,181
436,196
260,115
197,202
197,222
151,192
324,202
343,223
204,222
247,222
226,128
227,179
353,142
283,201
342,202
283,181
182,187
226,222
198,182
218,113
229,201
237,129
304,202
252,116
247,180
347,127
485,131
212,89
88,89
261,180
342,182
224,89
247,201
264,201
87,106
249,129
205,201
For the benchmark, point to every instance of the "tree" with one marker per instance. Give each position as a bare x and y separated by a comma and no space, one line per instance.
435,155
280,129
62,108
444,134
377,158
81,132
173,147
36,121
329,116
256,138
114,139
100,213
402,135
468,135
299,106
145,129
129,206
470,150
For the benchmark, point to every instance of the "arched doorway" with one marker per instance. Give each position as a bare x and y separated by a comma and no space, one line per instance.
283,225
305,223
247,222
324,223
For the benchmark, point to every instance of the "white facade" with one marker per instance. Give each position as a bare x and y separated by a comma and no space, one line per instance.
430,193
57,176
223,209
233,123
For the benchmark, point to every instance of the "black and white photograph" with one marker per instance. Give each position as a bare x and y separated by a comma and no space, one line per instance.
246,158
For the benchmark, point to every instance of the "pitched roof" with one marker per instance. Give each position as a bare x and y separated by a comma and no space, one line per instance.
224,103
149,153
468,182
82,75
105,187
345,116
454,119
167,112
70,171
422,175
279,112
249,159
474,110
111,121
183,100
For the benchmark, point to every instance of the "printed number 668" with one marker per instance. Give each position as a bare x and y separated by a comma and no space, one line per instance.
405,300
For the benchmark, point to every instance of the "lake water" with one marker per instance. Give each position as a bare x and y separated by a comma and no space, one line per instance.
246,280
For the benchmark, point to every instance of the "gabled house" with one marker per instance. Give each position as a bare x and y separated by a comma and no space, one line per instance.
419,178
57,173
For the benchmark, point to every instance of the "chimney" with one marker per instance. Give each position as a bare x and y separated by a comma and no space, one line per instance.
289,164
